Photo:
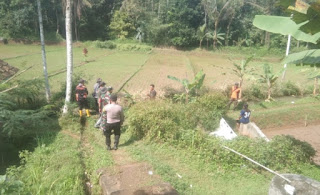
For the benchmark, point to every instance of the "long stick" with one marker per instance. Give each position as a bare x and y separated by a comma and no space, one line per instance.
17,74
9,89
257,163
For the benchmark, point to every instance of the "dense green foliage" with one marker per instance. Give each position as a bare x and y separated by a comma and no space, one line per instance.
182,125
23,111
163,120
42,172
176,23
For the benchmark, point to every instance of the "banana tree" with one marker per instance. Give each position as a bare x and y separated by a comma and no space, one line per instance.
269,78
201,34
315,74
216,37
241,70
190,86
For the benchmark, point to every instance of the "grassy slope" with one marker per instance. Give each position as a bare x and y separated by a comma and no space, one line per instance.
65,162
199,177
285,111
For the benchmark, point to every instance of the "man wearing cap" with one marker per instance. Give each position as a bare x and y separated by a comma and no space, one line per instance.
81,97
235,95
114,119
95,93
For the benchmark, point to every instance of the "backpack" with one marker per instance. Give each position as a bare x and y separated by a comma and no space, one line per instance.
82,92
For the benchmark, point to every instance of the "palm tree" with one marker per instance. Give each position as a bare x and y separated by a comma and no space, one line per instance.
69,54
44,60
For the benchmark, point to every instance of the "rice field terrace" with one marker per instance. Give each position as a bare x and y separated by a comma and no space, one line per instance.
135,70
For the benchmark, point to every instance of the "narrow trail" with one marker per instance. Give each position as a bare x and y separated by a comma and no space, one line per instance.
129,177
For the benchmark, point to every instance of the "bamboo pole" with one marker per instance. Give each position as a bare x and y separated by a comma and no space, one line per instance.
17,74
257,163
9,89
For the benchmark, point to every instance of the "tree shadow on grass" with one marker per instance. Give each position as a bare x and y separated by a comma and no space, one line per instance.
10,146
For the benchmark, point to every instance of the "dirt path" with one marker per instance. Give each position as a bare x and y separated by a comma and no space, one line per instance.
129,177
310,134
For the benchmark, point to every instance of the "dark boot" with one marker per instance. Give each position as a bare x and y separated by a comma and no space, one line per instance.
108,141
116,142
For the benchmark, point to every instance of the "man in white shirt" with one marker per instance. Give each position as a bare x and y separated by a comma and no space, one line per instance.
114,119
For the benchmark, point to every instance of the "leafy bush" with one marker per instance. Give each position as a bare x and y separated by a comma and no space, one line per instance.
105,44
125,45
289,88
23,110
42,173
254,92
10,186
181,125
283,152
163,120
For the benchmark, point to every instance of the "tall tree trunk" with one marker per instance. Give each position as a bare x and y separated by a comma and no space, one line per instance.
267,39
215,37
44,60
159,9
58,25
269,89
226,43
152,6
75,28
315,86
200,43
69,54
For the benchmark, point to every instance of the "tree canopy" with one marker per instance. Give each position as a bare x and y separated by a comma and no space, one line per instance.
158,22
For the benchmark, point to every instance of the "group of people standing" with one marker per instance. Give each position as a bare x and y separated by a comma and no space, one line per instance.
111,114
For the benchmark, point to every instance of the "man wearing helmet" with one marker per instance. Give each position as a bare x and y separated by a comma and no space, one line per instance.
81,97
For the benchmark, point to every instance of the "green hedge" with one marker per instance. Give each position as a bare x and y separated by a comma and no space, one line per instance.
182,125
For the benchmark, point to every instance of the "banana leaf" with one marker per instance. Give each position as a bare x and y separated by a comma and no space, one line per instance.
284,26
308,57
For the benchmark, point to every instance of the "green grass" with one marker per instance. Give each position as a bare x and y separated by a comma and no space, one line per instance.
198,177
190,174
115,66
63,162
283,112
52,168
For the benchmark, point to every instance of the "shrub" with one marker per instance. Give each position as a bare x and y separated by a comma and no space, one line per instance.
289,88
181,125
254,92
105,44
162,120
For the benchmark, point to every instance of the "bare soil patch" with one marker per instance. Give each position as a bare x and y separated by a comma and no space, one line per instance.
129,177
310,134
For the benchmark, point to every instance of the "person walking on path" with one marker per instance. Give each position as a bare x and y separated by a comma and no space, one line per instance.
244,117
95,93
235,96
104,96
81,97
152,93
113,120
104,99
